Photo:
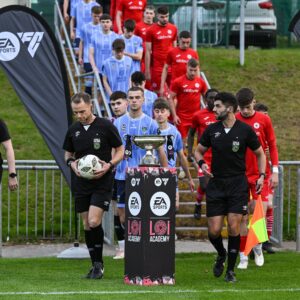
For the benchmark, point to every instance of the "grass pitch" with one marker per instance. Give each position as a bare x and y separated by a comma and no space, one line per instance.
50,278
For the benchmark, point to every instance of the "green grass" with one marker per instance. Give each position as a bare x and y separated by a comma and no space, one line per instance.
277,279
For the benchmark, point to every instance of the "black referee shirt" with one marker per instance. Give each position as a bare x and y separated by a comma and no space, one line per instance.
98,139
229,149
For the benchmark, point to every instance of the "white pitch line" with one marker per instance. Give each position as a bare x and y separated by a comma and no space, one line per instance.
215,291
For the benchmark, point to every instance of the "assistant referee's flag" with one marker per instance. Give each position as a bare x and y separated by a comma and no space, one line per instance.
257,229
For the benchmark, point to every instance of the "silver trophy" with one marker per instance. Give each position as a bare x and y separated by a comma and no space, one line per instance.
149,143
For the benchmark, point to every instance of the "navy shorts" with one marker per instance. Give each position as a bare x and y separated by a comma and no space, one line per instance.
227,195
75,43
120,193
99,198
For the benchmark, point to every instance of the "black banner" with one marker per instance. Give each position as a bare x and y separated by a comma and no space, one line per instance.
33,63
150,226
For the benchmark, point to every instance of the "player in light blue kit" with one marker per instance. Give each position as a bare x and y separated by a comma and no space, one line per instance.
133,44
117,70
135,122
174,145
85,34
81,14
100,47
138,79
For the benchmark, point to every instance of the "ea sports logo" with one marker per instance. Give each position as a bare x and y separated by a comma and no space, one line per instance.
160,204
9,46
134,203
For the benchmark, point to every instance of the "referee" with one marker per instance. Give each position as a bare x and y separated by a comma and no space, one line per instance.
227,190
97,136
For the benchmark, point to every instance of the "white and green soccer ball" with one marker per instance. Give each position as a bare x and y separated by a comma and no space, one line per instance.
88,165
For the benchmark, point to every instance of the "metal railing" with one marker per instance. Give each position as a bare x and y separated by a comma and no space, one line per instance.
76,76
42,207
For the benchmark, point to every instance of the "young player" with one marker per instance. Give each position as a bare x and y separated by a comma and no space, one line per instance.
160,38
116,70
177,59
200,121
135,122
86,33
139,79
141,28
188,90
264,130
132,9
133,44
173,147
92,197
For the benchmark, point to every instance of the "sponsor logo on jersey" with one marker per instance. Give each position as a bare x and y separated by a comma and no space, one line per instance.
217,134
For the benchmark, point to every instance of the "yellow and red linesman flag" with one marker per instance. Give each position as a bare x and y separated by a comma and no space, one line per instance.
257,229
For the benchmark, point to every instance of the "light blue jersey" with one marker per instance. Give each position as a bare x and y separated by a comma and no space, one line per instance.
82,12
102,44
134,45
126,125
177,143
118,73
85,34
150,97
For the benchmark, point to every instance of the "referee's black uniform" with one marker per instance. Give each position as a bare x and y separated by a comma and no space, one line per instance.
227,191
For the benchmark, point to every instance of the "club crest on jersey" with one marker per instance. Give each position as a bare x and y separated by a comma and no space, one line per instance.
256,125
197,84
123,127
169,31
97,143
235,146
189,56
144,129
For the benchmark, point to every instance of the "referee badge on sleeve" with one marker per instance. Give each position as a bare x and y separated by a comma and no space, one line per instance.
235,146
97,143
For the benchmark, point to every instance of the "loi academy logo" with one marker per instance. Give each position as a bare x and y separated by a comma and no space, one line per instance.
10,44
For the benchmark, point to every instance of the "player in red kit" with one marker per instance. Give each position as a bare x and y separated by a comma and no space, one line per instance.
262,125
132,9
188,90
177,59
160,38
142,27
201,119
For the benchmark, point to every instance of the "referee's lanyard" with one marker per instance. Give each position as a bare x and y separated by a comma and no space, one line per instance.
128,147
170,147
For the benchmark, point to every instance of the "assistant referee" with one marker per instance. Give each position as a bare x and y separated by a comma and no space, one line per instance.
97,136
227,190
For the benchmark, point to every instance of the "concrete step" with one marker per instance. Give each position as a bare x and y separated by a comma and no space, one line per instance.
193,232
183,220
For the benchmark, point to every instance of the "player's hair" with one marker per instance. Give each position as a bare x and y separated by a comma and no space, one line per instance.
185,34
227,99
138,78
150,7
261,107
161,103
210,91
97,10
105,17
118,44
163,10
244,97
118,95
193,63
79,97
135,89
129,24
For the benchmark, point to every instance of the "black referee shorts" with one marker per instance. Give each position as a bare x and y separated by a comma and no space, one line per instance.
227,195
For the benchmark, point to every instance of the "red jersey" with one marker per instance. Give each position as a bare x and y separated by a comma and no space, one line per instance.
132,9
113,8
201,119
177,59
188,94
262,125
140,30
162,39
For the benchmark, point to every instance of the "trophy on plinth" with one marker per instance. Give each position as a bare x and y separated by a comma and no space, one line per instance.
149,143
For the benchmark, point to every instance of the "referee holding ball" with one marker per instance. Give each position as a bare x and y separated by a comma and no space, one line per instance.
97,136
227,190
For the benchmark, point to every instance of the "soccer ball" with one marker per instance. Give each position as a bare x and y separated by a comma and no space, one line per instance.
88,165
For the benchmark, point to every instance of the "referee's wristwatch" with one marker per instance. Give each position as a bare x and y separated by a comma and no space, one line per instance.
262,174
12,175
111,165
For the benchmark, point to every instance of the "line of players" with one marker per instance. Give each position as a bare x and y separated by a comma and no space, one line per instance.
119,58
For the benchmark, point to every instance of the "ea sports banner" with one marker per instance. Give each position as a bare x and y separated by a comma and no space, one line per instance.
295,25
32,61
